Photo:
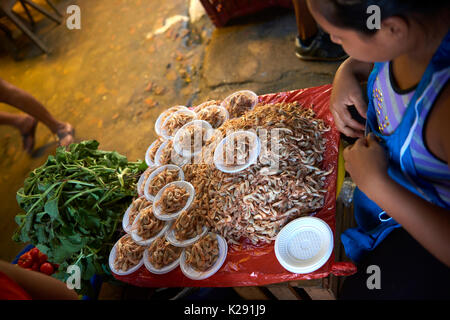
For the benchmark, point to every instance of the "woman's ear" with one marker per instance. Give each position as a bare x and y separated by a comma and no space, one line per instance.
395,28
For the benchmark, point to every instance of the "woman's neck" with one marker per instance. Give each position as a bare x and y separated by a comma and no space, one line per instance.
409,68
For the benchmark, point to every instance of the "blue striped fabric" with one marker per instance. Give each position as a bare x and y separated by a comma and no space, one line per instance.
390,107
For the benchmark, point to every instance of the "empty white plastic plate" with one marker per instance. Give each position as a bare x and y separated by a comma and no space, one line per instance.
304,245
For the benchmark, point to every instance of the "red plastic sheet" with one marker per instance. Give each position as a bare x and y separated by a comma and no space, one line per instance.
248,265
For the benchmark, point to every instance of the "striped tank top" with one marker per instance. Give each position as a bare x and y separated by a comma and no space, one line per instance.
390,104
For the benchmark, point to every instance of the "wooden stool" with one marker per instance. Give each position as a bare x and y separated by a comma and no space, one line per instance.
6,7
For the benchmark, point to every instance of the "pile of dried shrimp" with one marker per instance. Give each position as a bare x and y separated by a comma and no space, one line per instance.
238,105
173,199
161,253
285,183
203,254
176,121
189,224
147,225
128,254
161,179
136,207
213,115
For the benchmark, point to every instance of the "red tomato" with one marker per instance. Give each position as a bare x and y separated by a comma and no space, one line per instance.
46,268
35,266
35,254
42,257
26,255
25,262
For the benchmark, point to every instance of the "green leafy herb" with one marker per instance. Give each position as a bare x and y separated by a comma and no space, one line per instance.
74,204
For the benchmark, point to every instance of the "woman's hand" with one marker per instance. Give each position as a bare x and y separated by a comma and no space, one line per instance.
347,92
367,164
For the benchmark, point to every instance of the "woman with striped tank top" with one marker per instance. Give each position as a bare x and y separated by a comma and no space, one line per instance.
400,163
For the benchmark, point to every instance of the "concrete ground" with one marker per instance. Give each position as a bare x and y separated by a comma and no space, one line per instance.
112,78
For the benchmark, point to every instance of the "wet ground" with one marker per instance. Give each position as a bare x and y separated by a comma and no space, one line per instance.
112,78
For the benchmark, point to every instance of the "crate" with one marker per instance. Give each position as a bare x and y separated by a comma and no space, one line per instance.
221,11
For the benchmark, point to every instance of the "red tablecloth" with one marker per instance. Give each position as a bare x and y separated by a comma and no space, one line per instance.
248,265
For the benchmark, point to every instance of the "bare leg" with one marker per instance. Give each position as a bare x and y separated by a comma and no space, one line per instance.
306,25
25,124
24,101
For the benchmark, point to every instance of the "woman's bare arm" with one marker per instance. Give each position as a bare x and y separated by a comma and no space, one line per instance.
426,222
38,285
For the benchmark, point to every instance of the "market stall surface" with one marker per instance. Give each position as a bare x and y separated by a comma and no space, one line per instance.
112,78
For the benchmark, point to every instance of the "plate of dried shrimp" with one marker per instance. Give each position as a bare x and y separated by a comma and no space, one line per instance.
161,177
126,256
162,257
171,200
204,258
147,227
132,212
187,228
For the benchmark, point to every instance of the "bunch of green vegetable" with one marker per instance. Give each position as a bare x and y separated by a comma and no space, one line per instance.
74,204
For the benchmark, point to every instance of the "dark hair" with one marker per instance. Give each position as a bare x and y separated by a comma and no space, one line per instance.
352,14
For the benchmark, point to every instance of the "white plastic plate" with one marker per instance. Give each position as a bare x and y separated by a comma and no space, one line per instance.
175,157
163,270
163,128
142,179
169,111
150,162
254,152
198,125
304,245
147,195
112,258
222,110
125,223
249,94
156,209
146,242
193,274
170,236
